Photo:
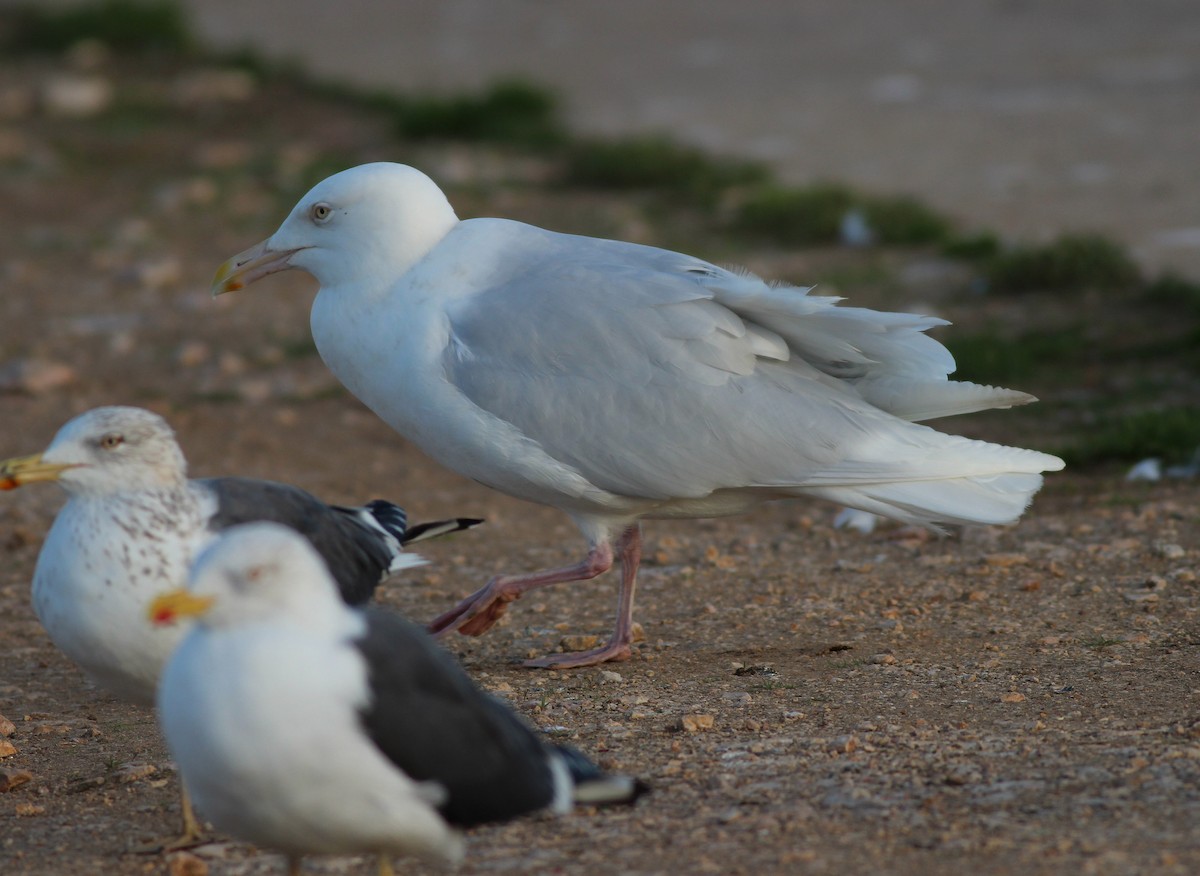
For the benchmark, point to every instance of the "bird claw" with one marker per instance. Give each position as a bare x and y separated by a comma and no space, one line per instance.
170,844
613,652
476,614
485,619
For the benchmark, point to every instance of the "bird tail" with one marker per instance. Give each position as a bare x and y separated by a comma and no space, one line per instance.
997,491
589,785
392,521
437,528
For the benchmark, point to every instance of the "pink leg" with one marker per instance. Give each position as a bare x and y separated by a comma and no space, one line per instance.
476,614
619,647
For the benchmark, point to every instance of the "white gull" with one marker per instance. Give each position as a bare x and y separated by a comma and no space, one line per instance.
621,382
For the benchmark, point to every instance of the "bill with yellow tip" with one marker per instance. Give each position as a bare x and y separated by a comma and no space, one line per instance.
249,266
22,470
177,605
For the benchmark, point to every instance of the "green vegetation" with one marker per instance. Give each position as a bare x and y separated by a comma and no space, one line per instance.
980,247
813,216
990,357
127,26
1072,263
771,684
656,163
511,112
1171,433
1171,290
904,221
806,216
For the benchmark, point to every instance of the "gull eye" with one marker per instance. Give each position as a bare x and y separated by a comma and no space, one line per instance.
320,212
244,580
112,440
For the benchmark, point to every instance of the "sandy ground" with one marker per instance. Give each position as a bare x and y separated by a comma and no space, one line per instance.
1000,701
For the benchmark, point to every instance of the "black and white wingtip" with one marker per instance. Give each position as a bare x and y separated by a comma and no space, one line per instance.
391,521
579,782
436,528
389,517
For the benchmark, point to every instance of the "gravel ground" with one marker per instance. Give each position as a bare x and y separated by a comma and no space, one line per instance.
805,700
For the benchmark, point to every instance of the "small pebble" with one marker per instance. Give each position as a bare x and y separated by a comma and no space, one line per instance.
76,96
154,275
186,864
1004,561
1140,596
35,376
1170,551
963,775
579,643
846,744
10,778
193,353
696,723
131,772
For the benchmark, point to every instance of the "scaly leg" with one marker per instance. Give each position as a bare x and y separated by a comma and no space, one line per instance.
619,646
476,614
193,831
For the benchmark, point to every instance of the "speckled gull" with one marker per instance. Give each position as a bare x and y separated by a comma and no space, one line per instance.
311,727
133,522
619,382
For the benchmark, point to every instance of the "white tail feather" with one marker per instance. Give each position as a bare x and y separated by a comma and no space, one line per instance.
997,499
927,400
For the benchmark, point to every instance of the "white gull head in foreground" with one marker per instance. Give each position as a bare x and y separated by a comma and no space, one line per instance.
620,382
308,726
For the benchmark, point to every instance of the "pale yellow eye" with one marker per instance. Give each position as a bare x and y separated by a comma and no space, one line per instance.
112,440
320,212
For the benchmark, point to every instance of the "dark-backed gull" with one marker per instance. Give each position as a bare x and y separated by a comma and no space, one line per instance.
306,726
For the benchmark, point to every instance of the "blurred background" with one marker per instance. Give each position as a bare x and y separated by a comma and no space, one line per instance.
1024,169
1030,118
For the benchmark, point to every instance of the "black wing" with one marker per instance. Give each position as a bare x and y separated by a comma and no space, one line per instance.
431,720
358,555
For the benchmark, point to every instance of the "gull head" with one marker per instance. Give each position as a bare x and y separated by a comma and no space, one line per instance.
368,224
102,452
256,573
